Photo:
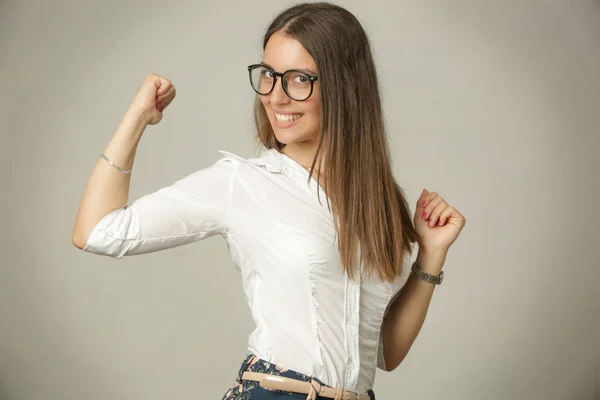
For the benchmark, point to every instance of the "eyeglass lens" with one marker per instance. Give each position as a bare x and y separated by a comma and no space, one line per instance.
297,85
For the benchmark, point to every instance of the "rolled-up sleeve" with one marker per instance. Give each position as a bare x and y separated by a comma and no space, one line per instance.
398,284
193,208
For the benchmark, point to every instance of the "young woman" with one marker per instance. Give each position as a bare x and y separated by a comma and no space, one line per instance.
316,225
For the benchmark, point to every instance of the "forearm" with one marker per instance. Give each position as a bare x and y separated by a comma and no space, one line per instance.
108,188
407,314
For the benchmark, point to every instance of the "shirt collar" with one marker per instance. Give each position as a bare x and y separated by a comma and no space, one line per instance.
274,161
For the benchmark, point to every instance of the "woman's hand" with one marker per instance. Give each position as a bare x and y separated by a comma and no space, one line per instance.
155,94
437,223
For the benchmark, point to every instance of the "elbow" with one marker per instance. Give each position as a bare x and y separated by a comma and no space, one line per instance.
78,240
392,361
391,367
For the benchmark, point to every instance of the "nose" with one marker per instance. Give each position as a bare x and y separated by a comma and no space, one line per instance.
278,96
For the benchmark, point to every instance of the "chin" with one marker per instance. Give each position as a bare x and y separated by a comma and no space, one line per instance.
287,137
293,134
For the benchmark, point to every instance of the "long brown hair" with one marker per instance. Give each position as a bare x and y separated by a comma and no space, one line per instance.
369,205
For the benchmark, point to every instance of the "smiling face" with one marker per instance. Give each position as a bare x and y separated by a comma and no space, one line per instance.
295,123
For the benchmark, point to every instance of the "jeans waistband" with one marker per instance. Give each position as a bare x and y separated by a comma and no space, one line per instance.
255,364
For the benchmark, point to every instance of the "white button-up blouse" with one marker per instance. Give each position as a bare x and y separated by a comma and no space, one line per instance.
310,317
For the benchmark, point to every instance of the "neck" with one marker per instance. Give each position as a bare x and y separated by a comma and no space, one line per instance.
302,153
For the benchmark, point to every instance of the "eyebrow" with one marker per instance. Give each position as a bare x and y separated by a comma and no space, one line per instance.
310,71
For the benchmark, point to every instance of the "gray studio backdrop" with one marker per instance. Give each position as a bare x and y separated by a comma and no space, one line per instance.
494,104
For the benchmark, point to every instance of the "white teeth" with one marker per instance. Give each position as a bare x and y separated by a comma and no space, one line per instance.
287,118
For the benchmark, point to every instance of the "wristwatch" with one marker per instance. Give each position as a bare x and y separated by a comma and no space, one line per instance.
419,273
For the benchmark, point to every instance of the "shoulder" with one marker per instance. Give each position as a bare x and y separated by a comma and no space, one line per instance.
216,174
227,156
229,166
228,163
266,161
232,159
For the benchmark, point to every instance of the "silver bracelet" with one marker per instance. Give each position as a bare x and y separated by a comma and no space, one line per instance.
114,165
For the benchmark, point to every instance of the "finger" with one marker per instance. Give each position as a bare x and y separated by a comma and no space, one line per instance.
164,100
159,104
161,97
445,215
437,210
430,206
458,217
426,199
167,101
422,197
165,85
164,106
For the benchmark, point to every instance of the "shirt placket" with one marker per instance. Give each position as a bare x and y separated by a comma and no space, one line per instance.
352,330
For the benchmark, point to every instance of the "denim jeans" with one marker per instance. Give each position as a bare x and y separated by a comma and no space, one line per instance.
250,390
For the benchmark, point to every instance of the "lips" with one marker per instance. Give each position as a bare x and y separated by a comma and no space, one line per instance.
287,118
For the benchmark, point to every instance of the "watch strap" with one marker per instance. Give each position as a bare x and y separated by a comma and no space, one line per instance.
419,273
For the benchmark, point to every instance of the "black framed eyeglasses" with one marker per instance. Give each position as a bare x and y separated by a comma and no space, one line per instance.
297,85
